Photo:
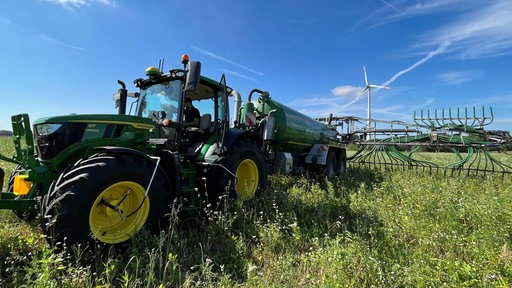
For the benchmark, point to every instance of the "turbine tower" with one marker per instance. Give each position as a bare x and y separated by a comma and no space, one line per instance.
368,88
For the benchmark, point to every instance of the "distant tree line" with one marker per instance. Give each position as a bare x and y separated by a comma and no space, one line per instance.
5,133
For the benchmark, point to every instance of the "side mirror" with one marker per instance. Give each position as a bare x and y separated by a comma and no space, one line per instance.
193,76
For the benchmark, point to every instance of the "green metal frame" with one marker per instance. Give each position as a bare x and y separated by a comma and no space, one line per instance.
460,131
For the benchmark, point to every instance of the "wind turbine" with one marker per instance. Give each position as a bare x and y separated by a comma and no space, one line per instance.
368,88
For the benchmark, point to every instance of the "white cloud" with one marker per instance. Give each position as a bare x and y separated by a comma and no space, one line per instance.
81,3
346,90
111,3
426,103
503,121
398,112
70,3
401,10
479,29
319,106
482,33
459,77
409,9
504,100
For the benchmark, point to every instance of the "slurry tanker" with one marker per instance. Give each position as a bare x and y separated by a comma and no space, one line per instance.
99,179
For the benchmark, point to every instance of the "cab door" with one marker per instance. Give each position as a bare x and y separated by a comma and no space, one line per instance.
222,111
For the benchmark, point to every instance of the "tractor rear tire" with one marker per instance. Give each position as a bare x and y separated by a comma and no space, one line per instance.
101,200
245,161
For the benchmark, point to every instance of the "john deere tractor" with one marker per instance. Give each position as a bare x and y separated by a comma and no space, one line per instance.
102,178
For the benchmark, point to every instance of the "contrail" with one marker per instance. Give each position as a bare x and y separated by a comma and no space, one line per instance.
442,47
392,7
238,75
227,60
55,41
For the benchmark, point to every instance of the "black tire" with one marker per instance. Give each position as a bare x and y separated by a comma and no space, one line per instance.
23,215
245,161
10,181
331,165
2,175
101,200
342,162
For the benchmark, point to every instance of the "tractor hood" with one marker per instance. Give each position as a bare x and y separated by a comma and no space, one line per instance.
134,121
55,134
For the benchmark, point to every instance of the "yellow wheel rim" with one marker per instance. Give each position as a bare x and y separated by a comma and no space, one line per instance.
247,177
115,216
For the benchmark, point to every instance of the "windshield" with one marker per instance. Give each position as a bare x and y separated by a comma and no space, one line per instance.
160,97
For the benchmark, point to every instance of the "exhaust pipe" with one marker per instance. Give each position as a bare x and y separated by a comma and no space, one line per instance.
238,105
121,102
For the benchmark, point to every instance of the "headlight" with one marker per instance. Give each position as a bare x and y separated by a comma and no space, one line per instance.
52,138
45,129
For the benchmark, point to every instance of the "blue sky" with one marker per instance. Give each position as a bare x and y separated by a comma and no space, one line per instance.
65,56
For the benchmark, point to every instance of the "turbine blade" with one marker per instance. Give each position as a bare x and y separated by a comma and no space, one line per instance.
364,90
378,86
365,76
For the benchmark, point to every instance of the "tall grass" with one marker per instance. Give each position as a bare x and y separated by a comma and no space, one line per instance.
365,228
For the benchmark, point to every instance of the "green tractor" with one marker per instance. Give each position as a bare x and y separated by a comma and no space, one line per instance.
102,178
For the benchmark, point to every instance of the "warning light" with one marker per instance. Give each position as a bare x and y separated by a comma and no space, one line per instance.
185,59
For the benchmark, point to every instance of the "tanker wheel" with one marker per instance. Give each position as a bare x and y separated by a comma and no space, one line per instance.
331,165
23,215
246,164
342,162
102,200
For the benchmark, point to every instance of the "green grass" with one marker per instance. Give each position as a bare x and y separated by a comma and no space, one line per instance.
366,228
6,149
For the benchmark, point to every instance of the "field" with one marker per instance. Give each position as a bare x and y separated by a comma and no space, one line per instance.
364,229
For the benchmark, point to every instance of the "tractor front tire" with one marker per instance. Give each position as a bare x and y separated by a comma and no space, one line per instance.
102,200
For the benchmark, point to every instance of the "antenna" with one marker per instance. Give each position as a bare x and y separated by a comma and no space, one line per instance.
161,65
368,88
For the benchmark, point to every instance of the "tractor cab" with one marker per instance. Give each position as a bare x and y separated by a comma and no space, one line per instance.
162,98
